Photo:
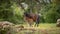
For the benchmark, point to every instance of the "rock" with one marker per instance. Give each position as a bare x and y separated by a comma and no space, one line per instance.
6,27
58,23
18,27
5,24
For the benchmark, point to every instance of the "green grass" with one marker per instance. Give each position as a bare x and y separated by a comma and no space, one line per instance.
50,28
47,25
45,28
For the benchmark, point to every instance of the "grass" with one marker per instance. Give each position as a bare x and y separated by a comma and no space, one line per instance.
45,28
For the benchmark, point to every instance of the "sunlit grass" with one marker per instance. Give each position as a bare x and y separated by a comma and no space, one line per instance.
47,25
44,28
43,25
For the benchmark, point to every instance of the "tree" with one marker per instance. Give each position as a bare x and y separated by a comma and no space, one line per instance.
51,12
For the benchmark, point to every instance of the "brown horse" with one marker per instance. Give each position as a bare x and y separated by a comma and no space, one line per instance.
31,17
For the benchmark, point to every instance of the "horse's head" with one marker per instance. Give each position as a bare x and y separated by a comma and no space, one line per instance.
26,14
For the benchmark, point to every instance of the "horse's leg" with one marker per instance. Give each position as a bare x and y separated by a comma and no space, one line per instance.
37,20
36,25
30,24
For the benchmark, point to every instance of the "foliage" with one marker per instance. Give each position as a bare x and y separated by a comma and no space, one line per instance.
6,12
50,10
10,12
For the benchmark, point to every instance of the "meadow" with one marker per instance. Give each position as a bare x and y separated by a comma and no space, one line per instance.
44,28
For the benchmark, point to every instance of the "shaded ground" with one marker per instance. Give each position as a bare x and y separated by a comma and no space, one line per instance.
42,29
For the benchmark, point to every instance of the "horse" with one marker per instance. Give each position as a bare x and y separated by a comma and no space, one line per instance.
32,17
